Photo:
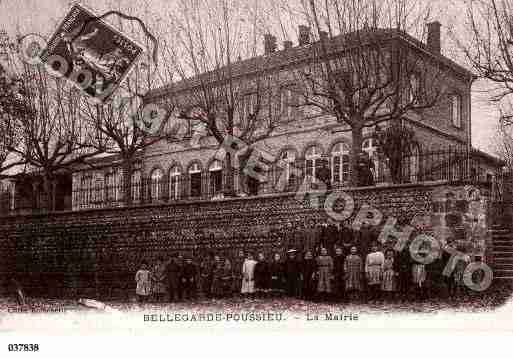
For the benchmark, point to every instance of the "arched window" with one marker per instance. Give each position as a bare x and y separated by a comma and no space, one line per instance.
285,169
370,146
312,162
111,187
215,172
456,110
156,184
411,167
174,182
195,178
136,186
98,189
86,188
414,88
340,163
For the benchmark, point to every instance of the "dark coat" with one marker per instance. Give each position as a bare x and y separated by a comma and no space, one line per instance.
189,273
366,237
277,274
403,262
292,275
308,268
338,266
292,269
174,272
331,236
346,239
262,275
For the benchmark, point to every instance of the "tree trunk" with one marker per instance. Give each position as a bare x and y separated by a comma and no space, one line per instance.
356,149
47,182
228,186
127,168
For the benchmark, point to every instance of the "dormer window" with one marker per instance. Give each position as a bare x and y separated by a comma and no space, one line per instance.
456,110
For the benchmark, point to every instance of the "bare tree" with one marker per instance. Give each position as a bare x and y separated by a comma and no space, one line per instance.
127,123
52,137
357,69
224,84
504,144
397,143
487,45
11,107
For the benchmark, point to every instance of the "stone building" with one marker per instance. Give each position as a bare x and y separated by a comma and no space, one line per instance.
184,169
114,241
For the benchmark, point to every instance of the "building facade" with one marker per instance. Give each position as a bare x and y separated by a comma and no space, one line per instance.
191,168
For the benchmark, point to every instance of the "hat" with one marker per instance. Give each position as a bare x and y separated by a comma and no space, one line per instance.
292,250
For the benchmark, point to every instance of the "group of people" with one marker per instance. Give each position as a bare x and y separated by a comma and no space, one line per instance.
338,274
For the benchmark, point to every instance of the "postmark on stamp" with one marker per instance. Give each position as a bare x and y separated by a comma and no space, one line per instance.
90,53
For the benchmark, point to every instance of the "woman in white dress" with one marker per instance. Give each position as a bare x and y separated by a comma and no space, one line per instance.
248,275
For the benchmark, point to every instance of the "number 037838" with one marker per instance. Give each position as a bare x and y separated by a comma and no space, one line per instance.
23,347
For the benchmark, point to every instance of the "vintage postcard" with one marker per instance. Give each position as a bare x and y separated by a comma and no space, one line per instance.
255,165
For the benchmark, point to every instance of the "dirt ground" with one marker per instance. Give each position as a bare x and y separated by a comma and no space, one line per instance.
495,296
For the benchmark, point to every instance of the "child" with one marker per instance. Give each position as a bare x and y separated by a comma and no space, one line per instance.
237,272
262,276
189,276
308,273
462,260
217,273
276,271
353,268
248,279
206,277
389,284
325,273
142,278
374,272
338,273
419,278
226,278
158,277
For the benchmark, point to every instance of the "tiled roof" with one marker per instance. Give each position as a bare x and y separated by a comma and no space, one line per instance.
489,157
285,57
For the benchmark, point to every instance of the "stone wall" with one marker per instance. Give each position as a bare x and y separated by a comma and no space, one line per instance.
49,254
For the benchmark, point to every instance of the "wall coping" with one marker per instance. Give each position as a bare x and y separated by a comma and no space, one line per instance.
379,187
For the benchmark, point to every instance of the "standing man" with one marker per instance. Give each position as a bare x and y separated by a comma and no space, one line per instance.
338,274
292,273
173,280
189,276
206,271
403,268
237,272
159,279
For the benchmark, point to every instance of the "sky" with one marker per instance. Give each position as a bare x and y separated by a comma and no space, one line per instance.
42,16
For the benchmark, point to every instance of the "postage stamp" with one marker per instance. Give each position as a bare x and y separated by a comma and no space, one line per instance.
91,53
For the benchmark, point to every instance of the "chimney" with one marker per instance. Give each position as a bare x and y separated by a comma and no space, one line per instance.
287,45
304,35
269,44
433,36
